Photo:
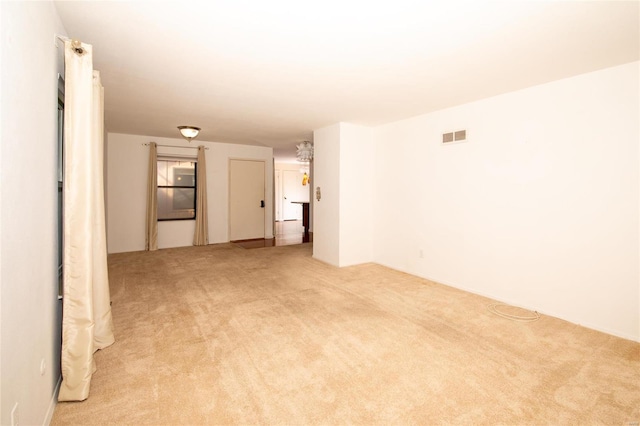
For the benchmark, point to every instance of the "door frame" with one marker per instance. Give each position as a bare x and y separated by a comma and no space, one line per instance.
277,194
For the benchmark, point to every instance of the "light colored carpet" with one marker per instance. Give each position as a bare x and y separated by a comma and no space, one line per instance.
224,335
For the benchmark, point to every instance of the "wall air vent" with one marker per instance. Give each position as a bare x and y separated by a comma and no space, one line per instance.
457,136
460,135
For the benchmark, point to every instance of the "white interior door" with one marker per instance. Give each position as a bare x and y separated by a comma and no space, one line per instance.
292,190
246,199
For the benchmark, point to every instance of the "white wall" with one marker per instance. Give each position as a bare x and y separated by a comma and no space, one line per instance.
127,163
539,208
343,218
357,154
326,212
31,313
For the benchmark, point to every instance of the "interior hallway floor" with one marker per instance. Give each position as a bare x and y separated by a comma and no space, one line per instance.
288,232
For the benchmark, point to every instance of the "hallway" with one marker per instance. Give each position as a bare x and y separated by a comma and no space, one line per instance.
287,233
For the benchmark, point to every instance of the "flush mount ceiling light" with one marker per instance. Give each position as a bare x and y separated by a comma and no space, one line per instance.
189,132
305,151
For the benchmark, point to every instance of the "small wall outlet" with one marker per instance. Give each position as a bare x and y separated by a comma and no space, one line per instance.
421,254
15,415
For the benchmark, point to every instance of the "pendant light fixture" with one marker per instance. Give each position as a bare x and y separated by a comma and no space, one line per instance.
304,152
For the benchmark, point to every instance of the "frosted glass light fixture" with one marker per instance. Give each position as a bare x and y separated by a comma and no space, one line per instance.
189,132
305,151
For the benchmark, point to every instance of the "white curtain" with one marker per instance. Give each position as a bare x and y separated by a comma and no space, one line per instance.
201,234
151,234
86,320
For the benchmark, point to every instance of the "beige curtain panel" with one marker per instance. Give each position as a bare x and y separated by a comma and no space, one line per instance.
86,321
151,235
201,234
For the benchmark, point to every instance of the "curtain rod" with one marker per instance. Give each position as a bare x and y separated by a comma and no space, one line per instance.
175,146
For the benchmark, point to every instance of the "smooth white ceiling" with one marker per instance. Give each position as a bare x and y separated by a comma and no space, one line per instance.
270,72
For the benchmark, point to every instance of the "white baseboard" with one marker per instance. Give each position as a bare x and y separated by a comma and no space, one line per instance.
52,404
587,324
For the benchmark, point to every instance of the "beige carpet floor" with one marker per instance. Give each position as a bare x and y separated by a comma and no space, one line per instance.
224,335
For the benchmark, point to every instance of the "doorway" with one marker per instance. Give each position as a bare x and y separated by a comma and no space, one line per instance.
293,191
246,199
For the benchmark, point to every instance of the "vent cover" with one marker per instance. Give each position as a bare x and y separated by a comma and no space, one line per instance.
457,136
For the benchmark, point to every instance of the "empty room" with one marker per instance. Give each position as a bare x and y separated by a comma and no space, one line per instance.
320,213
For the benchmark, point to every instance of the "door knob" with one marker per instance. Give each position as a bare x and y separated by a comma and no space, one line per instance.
262,203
